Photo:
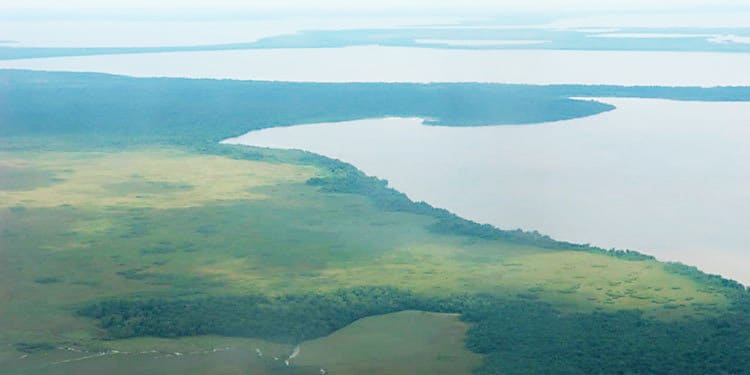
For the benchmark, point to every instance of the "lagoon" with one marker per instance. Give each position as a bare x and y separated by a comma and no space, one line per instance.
667,178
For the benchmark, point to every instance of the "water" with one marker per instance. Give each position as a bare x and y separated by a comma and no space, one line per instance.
663,177
391,64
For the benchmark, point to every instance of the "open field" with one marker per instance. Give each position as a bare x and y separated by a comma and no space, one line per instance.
408,342
150,178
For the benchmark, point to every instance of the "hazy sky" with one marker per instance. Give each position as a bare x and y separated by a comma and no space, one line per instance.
524,5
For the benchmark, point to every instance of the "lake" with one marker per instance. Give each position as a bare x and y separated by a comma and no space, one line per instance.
401,64
666,178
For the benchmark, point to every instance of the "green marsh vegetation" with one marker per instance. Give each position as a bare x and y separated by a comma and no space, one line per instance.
135,240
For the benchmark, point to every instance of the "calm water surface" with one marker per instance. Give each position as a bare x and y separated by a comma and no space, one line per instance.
667,178
400,64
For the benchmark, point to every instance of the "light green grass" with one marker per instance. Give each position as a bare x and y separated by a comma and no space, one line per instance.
146,178
408,342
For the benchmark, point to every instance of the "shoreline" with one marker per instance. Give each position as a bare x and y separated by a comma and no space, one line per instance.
295,137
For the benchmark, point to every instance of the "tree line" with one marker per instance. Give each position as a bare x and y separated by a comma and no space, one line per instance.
515,335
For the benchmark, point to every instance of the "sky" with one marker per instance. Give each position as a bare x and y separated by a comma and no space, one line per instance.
627,13
382,5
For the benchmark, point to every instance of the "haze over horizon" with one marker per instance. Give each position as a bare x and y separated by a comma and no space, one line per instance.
90,7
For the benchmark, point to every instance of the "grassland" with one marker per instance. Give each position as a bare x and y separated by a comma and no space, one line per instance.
279,236
154,223
408,342
151,178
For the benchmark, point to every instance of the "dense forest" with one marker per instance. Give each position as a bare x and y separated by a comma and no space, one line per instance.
187,110
518,336
121,110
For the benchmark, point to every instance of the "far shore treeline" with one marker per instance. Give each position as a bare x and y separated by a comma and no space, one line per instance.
190,111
